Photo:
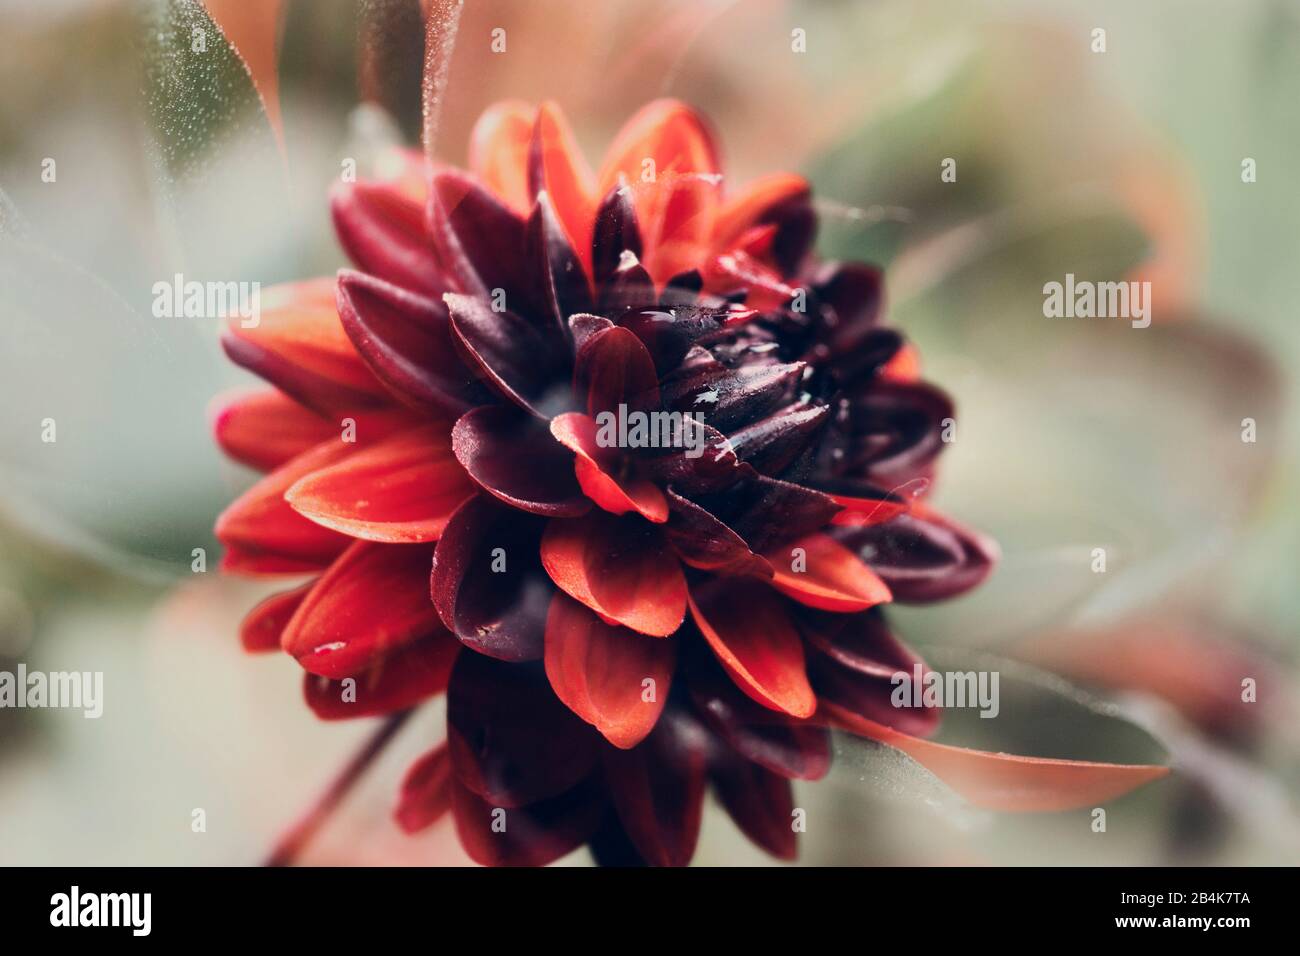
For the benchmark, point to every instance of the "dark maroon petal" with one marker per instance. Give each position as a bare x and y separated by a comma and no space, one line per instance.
796,230
702,541
857,361
868,695
860,641
760,802
584,326
893,431
629,287
728,397
383,232
535,835
767,511
616,232
658,789
406,340
480,242
512,741
613,368
563,286
773,443
714,469
923,557
683,288
487,582
611,846
798,749
515,457
669,334
511,354
854,291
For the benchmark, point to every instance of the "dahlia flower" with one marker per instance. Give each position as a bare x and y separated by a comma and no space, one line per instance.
615,627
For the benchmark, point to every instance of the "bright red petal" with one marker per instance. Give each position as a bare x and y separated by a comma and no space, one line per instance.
621,568
595,468
262,534
262,626
401,490
372,600
752,636
265,429
557,165
600,672
818,571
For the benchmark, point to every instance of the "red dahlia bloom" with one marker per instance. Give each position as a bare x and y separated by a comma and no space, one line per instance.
615,624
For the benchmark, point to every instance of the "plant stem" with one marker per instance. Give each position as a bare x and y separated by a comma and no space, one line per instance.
296,837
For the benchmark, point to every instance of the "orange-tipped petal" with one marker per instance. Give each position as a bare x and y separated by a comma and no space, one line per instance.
265,429
620,567
752,636
600,672
819,571
596,468
498,152
393,682
748,207
373,600
401,490
1007,782
557,165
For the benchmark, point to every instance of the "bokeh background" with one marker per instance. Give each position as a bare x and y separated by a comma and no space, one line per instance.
1072,434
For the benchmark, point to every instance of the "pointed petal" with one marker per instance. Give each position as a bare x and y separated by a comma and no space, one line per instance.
516,458
563,286
372,600
620,567
818,571
401,490
512,741
381,228
774,442
730,397
479,241
261,628
616,232
406,341
265,429
396,681
599,671
259,524
595,468
426,791
557,166
508,351
487,580
750,631
658,789
1007,782
498,152
299,346
922,556
760,802
766,511
703,541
